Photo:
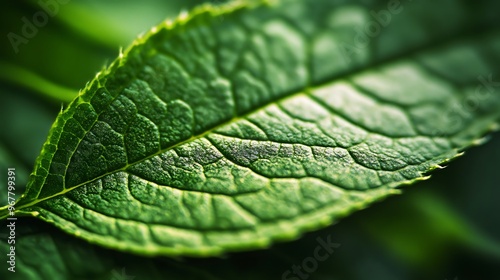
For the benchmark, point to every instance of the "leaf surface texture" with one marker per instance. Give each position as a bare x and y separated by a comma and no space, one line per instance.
238,125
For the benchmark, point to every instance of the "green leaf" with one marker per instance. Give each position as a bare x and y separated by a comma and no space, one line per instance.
239,125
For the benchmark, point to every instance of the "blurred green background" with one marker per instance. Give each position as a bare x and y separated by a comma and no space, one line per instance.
445,228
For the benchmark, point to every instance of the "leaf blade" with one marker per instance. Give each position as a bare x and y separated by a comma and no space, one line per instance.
147,154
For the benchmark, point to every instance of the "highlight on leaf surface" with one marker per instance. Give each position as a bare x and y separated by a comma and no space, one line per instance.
239,125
